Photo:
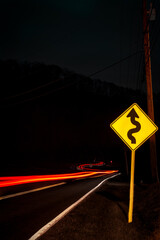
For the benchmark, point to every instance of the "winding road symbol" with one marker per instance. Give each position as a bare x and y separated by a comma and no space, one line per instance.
134,127
133,115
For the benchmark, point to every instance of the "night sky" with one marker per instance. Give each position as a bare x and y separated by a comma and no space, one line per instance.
83,36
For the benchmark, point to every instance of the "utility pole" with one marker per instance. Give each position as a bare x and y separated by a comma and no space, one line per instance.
150,106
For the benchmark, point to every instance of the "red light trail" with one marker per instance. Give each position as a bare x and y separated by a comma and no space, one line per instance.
17,180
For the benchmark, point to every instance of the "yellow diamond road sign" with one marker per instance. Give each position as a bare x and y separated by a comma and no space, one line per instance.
134,127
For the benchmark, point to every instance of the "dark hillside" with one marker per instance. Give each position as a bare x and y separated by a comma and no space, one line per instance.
53,117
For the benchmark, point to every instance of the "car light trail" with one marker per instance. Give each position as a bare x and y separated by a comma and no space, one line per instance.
17,180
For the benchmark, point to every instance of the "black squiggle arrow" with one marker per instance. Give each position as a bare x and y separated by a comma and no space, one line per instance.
132,114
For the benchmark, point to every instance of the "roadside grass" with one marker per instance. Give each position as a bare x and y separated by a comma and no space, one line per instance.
104,215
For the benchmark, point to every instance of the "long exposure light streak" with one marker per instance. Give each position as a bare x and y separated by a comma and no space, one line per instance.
17,180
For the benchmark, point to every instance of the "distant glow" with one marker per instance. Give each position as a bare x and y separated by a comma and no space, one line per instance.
17,180
88,166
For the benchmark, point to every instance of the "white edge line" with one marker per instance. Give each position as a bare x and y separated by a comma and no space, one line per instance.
30,191
50,224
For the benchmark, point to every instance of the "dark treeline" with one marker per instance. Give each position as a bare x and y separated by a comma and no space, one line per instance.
52,117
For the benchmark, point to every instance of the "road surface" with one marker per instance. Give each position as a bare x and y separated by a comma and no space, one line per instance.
22,216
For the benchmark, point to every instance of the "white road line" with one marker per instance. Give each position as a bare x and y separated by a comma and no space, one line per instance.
31,191
46,227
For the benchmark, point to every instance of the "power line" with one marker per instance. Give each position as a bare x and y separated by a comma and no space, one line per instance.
90,75
40,95
115,63
66,85
31,90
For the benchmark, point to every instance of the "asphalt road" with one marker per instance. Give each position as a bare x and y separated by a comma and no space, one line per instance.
22,216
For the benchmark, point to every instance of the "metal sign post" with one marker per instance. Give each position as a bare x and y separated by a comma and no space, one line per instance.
131,195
